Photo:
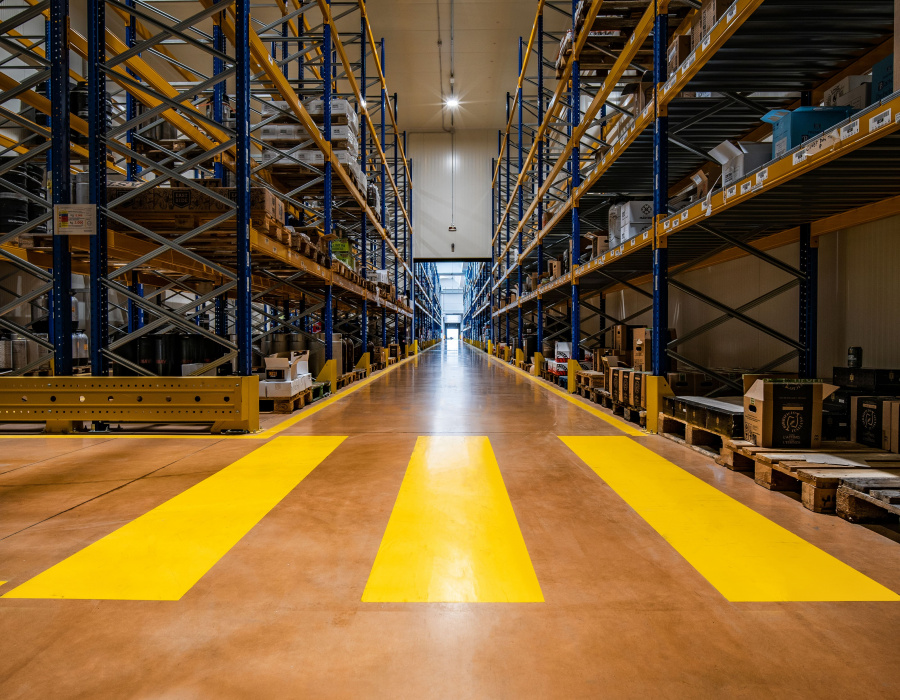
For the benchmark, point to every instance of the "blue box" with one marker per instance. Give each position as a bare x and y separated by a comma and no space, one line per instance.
790,129
883,79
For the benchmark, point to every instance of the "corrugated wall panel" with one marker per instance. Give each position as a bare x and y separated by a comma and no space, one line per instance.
859,292
431,155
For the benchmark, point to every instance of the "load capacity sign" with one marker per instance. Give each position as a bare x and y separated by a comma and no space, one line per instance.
75,219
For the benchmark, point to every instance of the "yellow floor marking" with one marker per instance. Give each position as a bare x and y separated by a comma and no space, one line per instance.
571,398
262,435
453,536
162,554
745,556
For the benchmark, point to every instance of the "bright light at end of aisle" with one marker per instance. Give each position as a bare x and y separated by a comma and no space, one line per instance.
452,102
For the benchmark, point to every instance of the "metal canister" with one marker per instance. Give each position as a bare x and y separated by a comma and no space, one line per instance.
80,348
13,206
854,357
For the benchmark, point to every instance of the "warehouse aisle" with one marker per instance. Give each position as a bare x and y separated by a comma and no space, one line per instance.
591,562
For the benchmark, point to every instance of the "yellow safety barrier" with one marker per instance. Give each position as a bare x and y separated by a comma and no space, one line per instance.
229,403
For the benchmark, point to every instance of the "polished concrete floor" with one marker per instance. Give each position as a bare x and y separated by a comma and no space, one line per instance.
282,612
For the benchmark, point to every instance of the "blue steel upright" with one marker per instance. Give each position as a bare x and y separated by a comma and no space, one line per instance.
97,125
363,219
243,325
521,200
328,311
383,141
508,194
659,356
60,299
575,117
540,178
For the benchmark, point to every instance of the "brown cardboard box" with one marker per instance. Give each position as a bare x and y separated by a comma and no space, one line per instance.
607,364
871,418
784,413
895,427
599,245
638,392
697,30
681,383
679,48
623,338
191,200
712,11
624,394
554,268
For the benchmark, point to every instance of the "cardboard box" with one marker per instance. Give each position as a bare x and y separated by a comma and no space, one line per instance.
857,99
679,49
623,337
681,383
791,129
637,212
870,421
622,385
883,79
712,11
697,30
642,344
283,389
599,245
882,381
838,91
563,351
196,200
287,366
638,392
740,158
784,413
554,268
895,426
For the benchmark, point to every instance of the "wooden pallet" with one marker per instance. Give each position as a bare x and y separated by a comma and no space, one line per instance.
638,416
285,404
590,379
866,499
699,439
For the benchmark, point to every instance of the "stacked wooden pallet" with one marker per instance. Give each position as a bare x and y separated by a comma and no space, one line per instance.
857,482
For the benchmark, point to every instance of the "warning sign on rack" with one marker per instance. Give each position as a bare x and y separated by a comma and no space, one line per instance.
75,219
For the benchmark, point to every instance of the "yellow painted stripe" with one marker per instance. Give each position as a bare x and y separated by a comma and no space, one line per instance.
453,536
573,399
744,555
162,554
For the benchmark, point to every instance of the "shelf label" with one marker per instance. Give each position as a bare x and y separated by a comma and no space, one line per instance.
685,214
820,143
762,176
75,219
746,186
732,13
851,129
667,225
675,223
706,42
799,157
880,120
731,191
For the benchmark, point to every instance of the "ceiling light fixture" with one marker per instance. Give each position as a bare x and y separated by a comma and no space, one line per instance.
452,102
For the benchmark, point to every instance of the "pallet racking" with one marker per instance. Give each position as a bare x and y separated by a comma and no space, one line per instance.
592,144
177,98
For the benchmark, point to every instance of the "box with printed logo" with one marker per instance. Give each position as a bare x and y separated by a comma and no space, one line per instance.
784,412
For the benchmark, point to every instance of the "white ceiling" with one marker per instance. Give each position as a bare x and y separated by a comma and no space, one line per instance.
486,34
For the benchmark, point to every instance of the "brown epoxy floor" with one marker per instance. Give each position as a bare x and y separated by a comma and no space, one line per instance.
280,615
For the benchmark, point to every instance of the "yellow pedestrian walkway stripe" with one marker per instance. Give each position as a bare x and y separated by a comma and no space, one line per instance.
453,536
744,555
162,554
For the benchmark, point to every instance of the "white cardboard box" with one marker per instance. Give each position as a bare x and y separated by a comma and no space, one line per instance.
283,390
284,366
844,87
740,158
636,212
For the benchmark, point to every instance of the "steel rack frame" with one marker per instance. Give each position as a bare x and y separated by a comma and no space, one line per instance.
230,277
713,95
